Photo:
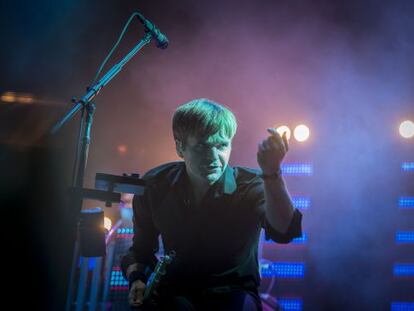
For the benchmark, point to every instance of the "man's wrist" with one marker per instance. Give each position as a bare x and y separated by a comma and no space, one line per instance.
271,175
135,276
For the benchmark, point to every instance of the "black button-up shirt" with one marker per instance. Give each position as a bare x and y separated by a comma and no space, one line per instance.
216,243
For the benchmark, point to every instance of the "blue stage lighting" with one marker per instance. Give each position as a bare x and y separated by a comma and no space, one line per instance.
406,202
404,237
283,269
117,279
91,262
406,269
407,166
402,306
301,202
302,240
297,169
291,304
125,231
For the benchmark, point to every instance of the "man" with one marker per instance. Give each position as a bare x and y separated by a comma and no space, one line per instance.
210,214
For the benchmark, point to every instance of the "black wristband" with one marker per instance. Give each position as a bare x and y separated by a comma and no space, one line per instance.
275,175
135,275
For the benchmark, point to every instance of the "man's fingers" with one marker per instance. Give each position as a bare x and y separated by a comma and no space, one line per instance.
273,144
272,131
136,295
262,147
285,141
266,145
282,141
274,134
135,301
270,144
136,304
276,143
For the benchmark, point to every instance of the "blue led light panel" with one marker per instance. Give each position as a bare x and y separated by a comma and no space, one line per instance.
297,169
403,269
117,279
301,202
406,202
402,306
403,237
125,231
290,304
407,166
283,269
302,240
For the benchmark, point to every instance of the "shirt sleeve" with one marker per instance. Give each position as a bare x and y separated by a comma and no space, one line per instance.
294,229
145,239
256,194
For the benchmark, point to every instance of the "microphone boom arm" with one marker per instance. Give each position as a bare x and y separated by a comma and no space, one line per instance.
95,89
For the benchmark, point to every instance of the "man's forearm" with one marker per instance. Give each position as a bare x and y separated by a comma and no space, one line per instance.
132,268
279,206
129,265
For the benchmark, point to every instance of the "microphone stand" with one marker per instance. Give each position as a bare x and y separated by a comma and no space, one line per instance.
94,90
87,108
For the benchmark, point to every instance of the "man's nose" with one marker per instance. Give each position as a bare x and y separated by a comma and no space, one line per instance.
212,153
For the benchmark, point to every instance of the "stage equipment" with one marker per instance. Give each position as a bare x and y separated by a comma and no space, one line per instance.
87,108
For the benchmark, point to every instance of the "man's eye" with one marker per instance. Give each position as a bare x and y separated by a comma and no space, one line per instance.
222,146
206,146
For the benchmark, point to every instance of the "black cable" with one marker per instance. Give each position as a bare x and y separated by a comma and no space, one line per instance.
75,164
114,47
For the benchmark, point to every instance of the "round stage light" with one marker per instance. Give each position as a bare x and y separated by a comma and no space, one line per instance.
122,149
301,133
407,129
283,128
107,223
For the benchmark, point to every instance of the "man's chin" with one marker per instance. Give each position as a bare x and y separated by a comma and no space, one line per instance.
212,178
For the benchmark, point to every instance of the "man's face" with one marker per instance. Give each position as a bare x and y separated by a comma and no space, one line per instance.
206,158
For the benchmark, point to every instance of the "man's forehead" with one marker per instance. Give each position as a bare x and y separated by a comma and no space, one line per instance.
212,139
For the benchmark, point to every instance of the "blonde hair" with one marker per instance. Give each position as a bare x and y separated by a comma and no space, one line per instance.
203,117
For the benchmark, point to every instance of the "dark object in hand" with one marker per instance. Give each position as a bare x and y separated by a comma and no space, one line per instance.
159,271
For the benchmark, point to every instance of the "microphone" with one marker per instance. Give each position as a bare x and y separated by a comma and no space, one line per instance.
162,40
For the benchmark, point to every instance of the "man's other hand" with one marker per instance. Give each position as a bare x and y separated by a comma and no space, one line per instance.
136,293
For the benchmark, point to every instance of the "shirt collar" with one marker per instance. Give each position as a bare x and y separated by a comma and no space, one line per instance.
229,182
226,184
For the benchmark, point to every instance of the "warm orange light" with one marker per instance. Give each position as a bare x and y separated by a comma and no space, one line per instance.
107,223
8,97
122,149
24,99
12,97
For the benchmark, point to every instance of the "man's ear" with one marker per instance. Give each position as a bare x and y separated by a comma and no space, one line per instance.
179,148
